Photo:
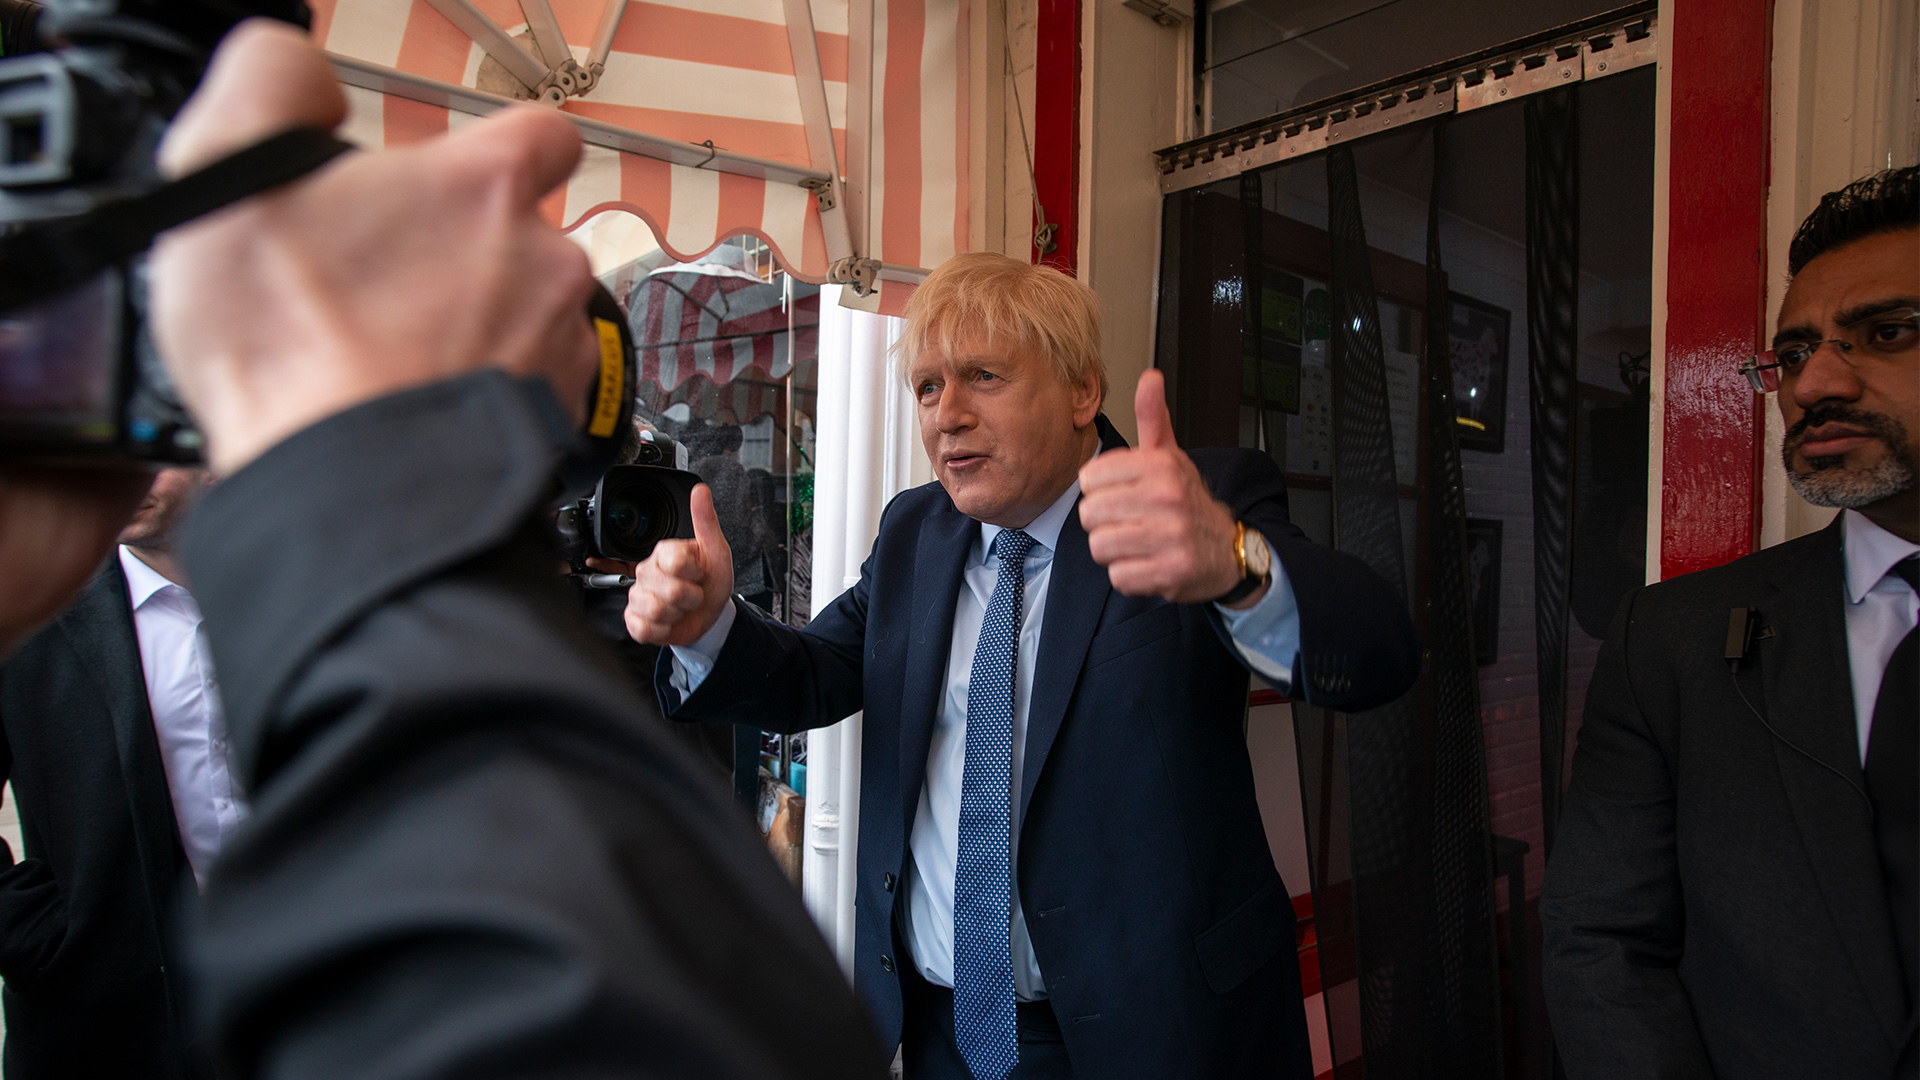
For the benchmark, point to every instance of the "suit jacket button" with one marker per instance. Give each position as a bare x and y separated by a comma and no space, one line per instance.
886,881
886,963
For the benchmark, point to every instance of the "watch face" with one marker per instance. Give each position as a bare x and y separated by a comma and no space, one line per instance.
1259,557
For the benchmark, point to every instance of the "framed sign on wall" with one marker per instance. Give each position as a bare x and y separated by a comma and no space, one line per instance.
1477,337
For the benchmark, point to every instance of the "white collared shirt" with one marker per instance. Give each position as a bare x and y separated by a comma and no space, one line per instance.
184,697
1881,609
1267,635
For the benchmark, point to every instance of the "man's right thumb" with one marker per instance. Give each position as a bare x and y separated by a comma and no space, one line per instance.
706,523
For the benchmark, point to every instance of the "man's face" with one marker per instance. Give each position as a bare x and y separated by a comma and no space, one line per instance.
1851,419
1005,435
167,502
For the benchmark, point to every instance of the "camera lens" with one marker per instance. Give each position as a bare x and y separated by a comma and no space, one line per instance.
627,520
635,510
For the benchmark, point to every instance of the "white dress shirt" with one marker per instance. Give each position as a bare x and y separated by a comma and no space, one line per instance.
1881,609
184,698
1267,634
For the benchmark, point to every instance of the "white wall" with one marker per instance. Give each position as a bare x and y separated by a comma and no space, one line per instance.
1133,71
1846,102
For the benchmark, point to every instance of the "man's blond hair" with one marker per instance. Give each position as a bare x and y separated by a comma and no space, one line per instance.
997,301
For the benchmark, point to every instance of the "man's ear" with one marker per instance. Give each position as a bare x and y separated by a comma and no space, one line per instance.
1086,398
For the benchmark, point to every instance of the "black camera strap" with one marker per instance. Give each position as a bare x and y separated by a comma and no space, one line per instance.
46,259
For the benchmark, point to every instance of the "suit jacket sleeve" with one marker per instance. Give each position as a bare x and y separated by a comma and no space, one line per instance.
474,850
775,678
1611,905
32,918
1358,647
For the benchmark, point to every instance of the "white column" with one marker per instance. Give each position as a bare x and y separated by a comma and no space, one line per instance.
864,454
1845,88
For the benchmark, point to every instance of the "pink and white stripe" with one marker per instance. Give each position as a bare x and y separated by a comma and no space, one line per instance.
720,70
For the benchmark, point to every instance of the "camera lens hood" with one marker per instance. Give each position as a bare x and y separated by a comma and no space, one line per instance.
634,507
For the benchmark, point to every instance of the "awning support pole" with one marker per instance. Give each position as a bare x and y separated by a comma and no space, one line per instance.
812,89
466,99
610,17
548,36
474,23
861,276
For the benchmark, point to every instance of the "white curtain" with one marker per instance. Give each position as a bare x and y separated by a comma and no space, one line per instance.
866,452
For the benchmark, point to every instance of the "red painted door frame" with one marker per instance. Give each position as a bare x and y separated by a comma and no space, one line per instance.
1716,195
1056,129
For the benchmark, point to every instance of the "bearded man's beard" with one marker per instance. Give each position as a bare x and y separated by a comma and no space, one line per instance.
1829,481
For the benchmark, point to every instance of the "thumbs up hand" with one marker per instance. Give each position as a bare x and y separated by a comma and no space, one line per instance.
679,592
1150,519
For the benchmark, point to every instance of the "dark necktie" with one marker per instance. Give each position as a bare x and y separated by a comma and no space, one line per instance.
1893,783
983,1012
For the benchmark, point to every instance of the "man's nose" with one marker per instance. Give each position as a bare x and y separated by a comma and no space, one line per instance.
1826,376
954,413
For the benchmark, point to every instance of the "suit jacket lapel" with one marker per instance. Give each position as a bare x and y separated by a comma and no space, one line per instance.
1076,595
939,564
100,629
1808,699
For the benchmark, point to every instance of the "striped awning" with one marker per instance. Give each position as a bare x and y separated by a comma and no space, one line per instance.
715,320
700,124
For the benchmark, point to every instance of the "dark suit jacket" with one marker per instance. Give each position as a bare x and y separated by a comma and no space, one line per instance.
1163,931
1714,904
473,850
83,915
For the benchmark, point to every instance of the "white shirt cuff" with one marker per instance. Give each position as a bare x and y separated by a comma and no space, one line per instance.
1268,633
693,663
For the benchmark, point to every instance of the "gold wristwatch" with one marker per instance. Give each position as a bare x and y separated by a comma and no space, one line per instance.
1255,560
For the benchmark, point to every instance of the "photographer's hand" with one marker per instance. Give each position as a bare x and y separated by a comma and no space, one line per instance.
680,591
381,271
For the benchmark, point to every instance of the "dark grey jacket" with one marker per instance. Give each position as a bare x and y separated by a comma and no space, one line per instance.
1714,903
84,913
474,851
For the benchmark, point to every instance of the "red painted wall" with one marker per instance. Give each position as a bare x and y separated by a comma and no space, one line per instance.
1056,127
1716,281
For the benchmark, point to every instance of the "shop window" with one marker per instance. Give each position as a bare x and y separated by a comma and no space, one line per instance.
728,347
1258,311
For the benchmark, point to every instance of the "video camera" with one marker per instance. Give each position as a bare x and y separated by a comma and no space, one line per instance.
81,199
632,509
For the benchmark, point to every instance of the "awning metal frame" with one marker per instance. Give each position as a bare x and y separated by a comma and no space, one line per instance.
466,99
1619,40
812,88
555,75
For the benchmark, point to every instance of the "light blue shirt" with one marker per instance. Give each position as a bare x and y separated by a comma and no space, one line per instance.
1267,635
1880,610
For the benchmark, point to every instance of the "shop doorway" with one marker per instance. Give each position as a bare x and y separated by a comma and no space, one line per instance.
1440,333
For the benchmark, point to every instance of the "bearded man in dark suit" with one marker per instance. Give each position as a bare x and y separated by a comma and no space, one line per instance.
1062,869
1733,891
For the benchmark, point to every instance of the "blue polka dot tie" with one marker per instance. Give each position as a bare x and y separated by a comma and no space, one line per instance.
983,1016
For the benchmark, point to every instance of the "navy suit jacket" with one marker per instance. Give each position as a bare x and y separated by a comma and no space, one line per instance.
1162,929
